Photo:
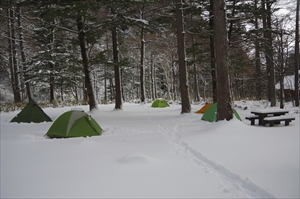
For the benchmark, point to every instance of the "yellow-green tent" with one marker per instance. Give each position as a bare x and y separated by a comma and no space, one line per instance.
159,104
74,123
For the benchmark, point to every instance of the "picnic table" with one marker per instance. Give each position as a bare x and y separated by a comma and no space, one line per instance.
263,113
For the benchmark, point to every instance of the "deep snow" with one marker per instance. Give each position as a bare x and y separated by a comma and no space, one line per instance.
153,153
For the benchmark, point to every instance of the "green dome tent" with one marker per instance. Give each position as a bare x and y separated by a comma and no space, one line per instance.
74,123
31,113
159,104
211,114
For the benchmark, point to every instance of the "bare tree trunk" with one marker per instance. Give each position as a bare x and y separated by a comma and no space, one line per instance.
271,59
111,88
118,99
122,87
297,56
257,59
52,65
105,84
105,73
154,83
231,22
23,57
52,82
142,61
17,95
281,71
10,54
152,76
142,68
13,55
196,86
185,101
269,52
221,44
174,79
212,52
85,63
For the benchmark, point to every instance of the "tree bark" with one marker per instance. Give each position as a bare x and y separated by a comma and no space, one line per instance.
23,57
52,82
85,63
142,68
152,76
281,69
10,54
196,87
224,109
297,56
269,52
52,65
13,56
185,101
258,83
118,97
212,52
142,61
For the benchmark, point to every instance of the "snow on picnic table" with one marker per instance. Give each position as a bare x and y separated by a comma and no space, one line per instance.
149,152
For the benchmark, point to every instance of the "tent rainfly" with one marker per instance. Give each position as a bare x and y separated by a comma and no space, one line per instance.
74,123
203,109
31,113
159,104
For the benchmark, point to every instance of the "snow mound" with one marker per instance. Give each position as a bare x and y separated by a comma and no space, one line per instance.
137,158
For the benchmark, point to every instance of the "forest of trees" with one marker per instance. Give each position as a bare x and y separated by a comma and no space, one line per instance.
104,51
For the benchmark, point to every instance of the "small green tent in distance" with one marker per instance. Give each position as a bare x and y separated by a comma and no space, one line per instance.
74,123
31,113
159,103
211,114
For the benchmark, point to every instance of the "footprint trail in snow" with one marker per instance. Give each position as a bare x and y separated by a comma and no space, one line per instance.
230,182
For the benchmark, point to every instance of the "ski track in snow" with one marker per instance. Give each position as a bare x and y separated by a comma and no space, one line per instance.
230,182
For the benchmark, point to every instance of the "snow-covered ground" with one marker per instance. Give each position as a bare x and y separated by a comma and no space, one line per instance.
152,153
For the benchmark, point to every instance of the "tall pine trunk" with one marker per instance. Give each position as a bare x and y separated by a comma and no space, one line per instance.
118,97
196,86
269,51
85,63
13,55
142,61
258,83
142,68
52,65
297,56
224,109
281,69
212,52
185,101
23,57
10,54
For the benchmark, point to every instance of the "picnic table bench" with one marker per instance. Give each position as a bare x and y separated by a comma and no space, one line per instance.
278,119
269,116
252,118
